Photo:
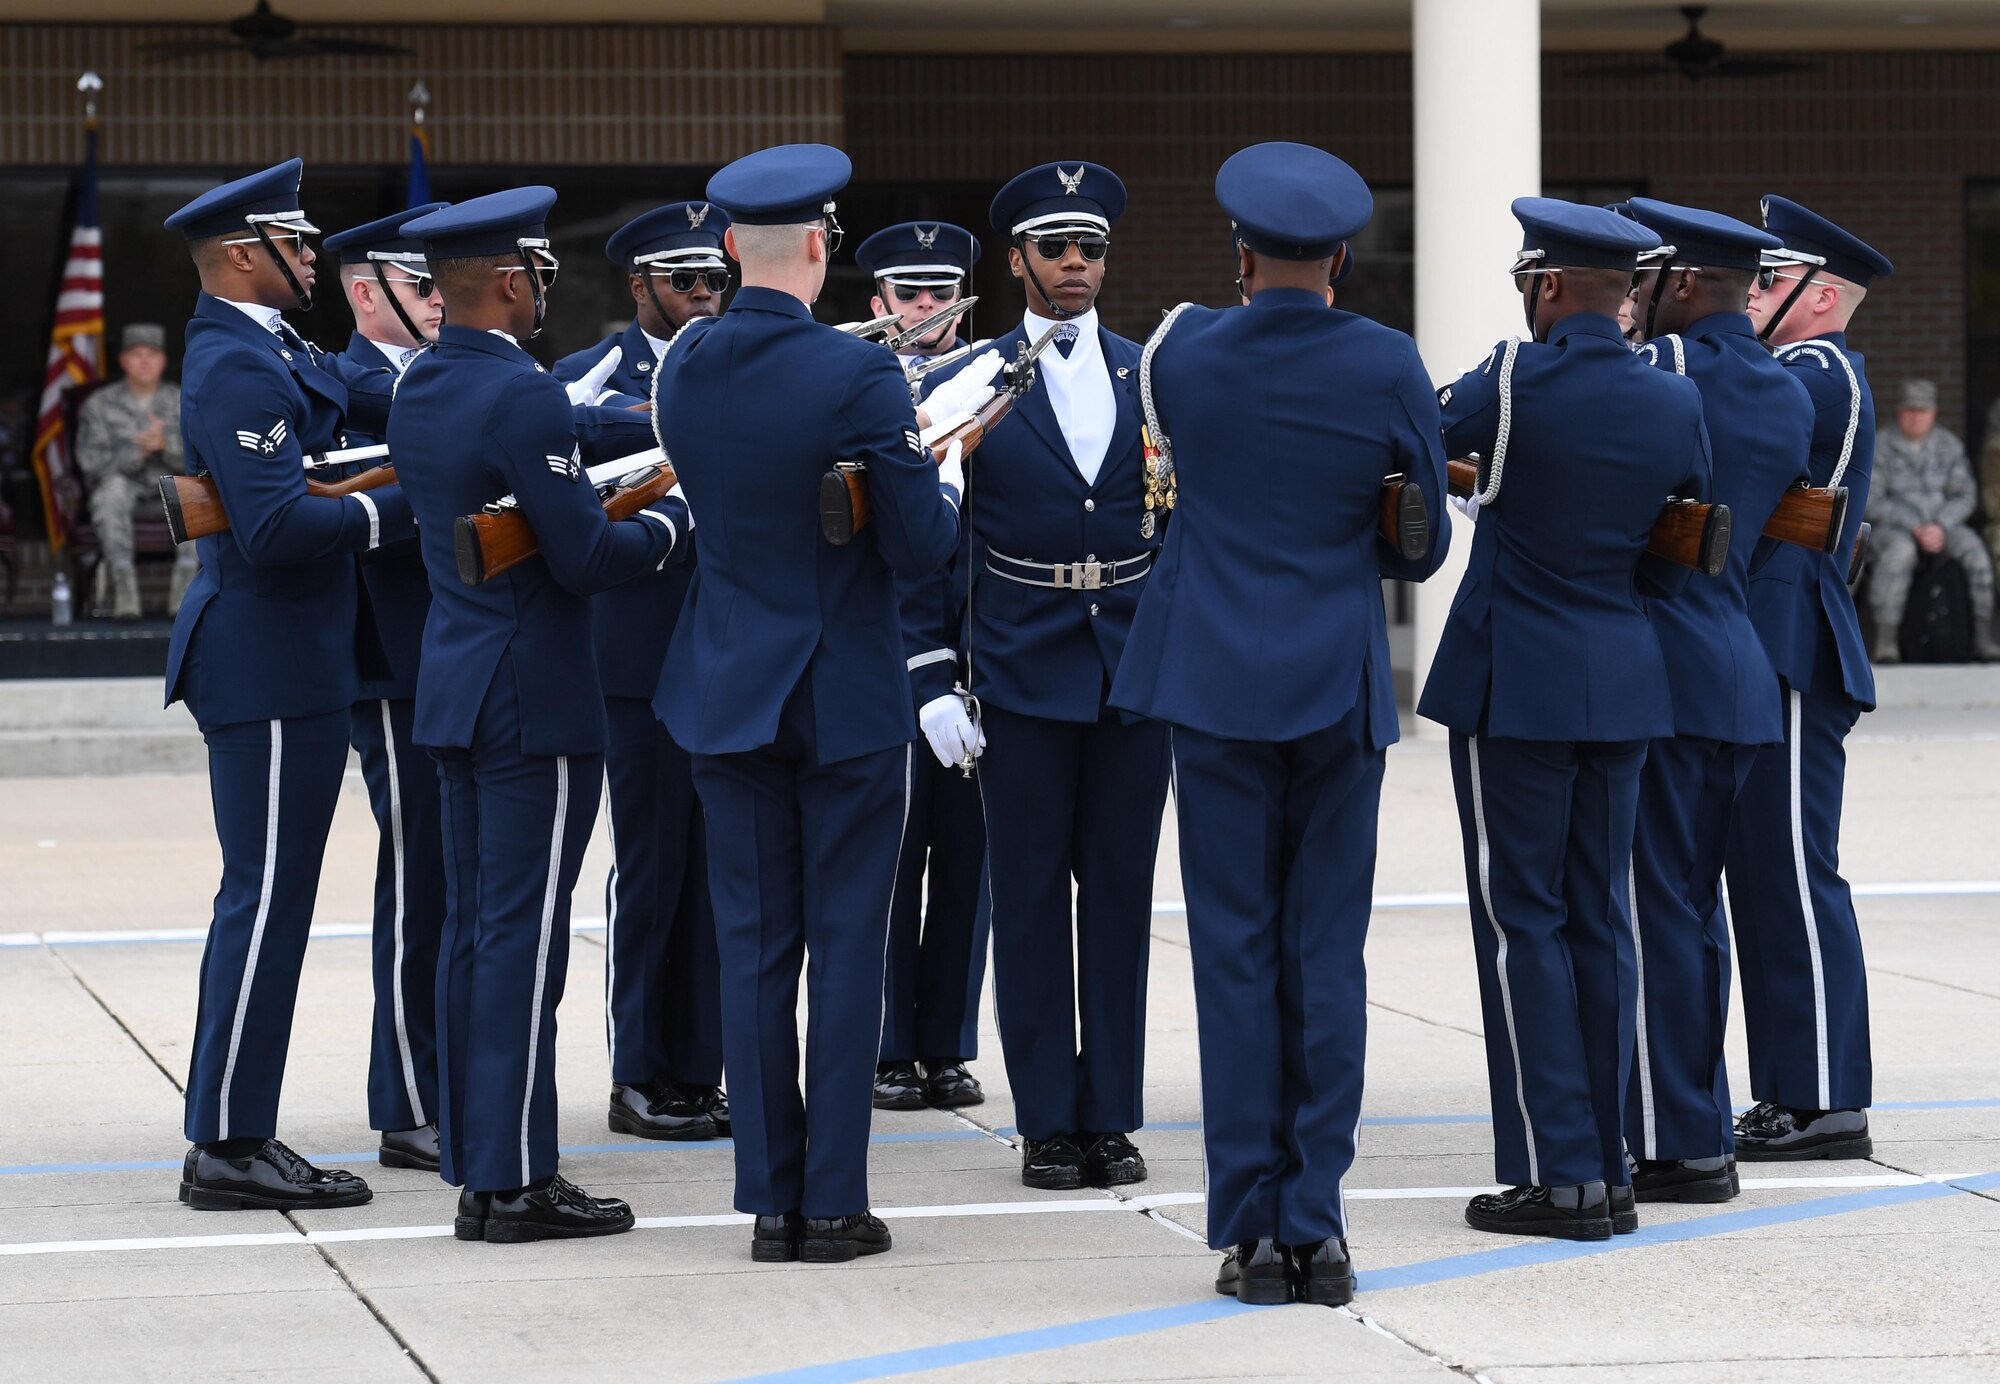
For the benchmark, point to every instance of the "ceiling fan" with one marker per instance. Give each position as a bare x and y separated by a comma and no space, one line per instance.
265,34
1695,56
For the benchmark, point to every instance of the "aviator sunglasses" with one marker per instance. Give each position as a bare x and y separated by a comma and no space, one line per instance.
1053,247
684,280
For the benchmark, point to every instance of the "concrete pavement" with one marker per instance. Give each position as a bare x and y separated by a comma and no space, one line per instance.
1854,1269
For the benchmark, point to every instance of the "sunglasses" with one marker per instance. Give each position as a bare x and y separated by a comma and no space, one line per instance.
1054,247
909,293
1767,277
684,280
545,270
830,228
422,285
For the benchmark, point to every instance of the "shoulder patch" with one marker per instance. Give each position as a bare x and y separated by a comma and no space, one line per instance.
1444,396
265,443
915,442
569,467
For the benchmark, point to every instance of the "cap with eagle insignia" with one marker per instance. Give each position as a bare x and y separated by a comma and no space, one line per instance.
1069,195
919,252
1806,232
384,239
1569,234
269,198
786,185
500,223
680,235
1293,201
1704,237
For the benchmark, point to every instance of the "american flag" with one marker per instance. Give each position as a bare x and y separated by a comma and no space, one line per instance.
76,352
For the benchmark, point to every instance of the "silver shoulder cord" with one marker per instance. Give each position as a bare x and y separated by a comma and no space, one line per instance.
1495,468
1822,348
659,373
1651,351
1153,429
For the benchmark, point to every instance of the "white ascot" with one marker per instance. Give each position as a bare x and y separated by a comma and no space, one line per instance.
399,357
1079,388
659,347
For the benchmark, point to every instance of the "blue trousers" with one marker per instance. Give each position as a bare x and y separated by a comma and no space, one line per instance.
274,785
515,828
802,866
1547,828
662,978
1798,947
937,937
1678,1103
1278,860
1081,801
409,913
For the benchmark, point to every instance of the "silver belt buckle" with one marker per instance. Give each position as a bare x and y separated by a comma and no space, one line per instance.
1083,576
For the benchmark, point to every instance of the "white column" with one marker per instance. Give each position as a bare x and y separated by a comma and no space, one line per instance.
1477,97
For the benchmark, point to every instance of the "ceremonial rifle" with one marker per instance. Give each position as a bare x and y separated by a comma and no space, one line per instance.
500,536
194,505
843,491
937,319
1688,532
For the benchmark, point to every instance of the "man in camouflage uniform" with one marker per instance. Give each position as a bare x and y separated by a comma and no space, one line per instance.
128,434
1923,498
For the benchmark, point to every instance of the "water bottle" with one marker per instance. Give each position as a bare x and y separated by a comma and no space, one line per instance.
59,599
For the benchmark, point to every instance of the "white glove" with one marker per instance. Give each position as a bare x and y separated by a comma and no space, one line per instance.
1467,505
951,470
966,390
948,726
587,389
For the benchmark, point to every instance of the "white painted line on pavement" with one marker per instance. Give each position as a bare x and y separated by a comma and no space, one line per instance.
887,1213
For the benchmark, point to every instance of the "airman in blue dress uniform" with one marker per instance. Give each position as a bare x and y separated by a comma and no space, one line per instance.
662,985
397,310
1261,641
1691,296
1074,789
937,934
263,655
1547,769
508,702
1798,949
786,682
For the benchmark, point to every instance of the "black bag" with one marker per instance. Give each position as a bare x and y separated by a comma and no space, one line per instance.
1937,622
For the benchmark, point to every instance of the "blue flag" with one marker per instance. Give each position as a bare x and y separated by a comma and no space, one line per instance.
420,169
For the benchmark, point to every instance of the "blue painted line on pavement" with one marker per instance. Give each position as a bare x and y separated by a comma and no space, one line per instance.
1457,1266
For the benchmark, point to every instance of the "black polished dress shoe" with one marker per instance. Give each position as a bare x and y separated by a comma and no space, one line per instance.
837,1239
948,1085
1110,1160
473,1209
1624,1209
715,1101
1257,1273
1053,1165
410,1148
898,1086
1578,1212
658,1110
1322,1273
560,1210
1686,1179
272,1178
775,1239
1768,1133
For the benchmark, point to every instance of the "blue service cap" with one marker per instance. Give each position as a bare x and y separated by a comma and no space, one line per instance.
679,235
1059,196
1700,237
496,224
1807,233
788,185
1292,201
1576,236
270,197
919,252
384,239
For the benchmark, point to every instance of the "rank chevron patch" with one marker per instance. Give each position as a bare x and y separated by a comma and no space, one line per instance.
264,443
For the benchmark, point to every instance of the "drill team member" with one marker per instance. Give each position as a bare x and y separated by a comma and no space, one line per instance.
397,311
507,700
1074,790
263,655
662,986
785,681
1691,299
1262,642
937,935
1805,992
1551,680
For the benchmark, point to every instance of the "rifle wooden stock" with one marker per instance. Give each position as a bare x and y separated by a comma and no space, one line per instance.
1687,532
843,491
1405,521
488,544
1810,516
1857,560
194,506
